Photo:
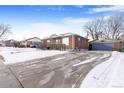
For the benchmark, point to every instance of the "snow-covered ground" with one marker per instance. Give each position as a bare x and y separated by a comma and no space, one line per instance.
107,74
14,55
91,59
86,61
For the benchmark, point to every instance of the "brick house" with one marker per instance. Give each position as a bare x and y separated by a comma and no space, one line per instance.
65,41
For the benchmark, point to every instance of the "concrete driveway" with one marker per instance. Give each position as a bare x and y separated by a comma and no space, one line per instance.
59,71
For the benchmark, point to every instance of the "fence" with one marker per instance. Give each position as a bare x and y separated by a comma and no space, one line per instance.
56,46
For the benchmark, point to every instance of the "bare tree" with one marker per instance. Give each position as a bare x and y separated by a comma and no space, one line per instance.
106,28
89,30
4,30
94,28
115,26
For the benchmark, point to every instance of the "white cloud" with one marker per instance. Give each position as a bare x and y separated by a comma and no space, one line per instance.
76,21
41,30
108,9
79,6
48,28
23,35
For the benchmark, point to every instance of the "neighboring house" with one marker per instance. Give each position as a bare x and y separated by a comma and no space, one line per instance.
2,43
34,42
23,44
65,41
11,43
106,45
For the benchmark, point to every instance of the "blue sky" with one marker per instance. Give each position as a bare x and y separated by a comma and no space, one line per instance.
28,21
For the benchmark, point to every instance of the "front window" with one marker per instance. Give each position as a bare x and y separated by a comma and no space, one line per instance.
57,41
65,41
48,41
79,39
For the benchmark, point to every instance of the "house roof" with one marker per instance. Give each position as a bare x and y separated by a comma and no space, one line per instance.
67,34
33,38
62,35
11,40
53,35
104,41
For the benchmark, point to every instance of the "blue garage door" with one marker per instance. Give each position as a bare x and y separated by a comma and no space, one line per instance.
103,46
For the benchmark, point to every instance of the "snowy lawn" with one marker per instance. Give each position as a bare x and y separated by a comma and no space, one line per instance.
107,74
14,55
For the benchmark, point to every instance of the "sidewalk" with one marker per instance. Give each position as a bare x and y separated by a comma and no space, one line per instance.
7,79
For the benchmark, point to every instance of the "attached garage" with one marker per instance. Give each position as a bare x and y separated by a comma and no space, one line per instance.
106,45
103,46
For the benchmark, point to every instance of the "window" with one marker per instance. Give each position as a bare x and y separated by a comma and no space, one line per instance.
79,39
48,41
122,44
57,41
65,41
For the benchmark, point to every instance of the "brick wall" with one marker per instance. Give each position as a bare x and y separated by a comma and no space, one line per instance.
117,45
75,42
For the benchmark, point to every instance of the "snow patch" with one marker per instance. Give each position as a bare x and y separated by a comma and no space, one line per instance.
105,55
59,58
107,74
14,55
86,61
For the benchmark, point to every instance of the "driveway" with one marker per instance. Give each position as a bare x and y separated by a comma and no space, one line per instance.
59,71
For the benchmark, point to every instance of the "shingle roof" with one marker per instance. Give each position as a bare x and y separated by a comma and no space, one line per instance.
32,38
104,41
62,35
53,35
